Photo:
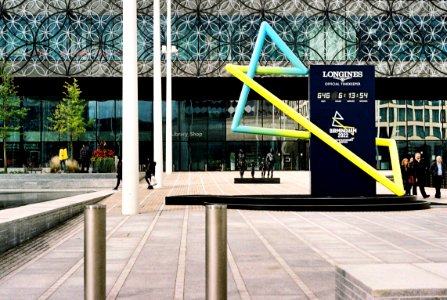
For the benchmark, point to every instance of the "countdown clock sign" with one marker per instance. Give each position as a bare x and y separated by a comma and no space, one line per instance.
342,104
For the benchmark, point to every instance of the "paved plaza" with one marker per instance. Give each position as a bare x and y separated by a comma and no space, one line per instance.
160,253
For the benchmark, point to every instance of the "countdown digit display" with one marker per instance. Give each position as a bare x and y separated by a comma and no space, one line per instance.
342,104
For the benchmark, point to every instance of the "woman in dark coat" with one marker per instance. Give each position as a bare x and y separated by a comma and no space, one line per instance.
407,175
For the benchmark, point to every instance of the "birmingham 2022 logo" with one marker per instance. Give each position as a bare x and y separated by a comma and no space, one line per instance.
344,134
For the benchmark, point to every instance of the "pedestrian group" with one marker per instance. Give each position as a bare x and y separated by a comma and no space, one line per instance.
266,164
414,175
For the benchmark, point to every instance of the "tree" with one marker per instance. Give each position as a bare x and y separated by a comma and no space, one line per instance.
11,111
69,114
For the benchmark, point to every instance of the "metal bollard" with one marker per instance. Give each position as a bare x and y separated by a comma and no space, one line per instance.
216,251
95,252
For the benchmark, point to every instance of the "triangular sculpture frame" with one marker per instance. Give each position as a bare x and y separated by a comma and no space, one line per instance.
246,75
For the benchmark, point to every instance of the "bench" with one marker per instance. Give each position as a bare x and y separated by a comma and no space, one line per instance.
32,169
256,180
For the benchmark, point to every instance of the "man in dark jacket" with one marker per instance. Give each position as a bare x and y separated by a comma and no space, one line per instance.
84,159
419,174
437,171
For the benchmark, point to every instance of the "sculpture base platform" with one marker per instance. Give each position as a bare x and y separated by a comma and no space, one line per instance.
304,202
256,180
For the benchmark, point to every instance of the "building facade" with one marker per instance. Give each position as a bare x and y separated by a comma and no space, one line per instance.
48,42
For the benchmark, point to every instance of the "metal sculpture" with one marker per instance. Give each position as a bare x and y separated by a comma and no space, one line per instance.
246,75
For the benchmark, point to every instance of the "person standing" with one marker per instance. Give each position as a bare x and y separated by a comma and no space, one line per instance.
63,156
407,175
253,166
83,157
419,174
270,161
262,166
437,171
241,162
119,173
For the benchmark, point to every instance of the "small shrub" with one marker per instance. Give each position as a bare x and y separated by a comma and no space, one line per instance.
103,160
55,164
72,166
104,165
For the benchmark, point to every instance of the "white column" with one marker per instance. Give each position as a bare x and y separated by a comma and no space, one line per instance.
168,90
130,110
158,118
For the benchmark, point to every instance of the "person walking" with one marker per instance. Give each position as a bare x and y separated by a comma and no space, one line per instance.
119,173
419,174
437,171
150,174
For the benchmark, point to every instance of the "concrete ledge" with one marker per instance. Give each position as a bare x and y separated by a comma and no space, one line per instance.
391,281
59,181
20,224
256,180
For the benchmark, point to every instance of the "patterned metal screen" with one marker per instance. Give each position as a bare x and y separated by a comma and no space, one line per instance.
84,37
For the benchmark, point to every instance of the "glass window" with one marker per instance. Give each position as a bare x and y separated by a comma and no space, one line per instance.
391,114
332,36
400,131
145,125
410,131
196,126
420,131
91,134
437,132
104,120
410,112
427,114
182,152
418,102
119,119
181,131
435,115
383,115
216,120
418,115
402,116
32,126
176,115
48,108
215,156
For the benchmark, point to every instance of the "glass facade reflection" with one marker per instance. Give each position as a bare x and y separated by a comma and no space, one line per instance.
201,136
202,139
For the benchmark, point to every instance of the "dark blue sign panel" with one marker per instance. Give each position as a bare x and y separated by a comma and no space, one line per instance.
342,104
